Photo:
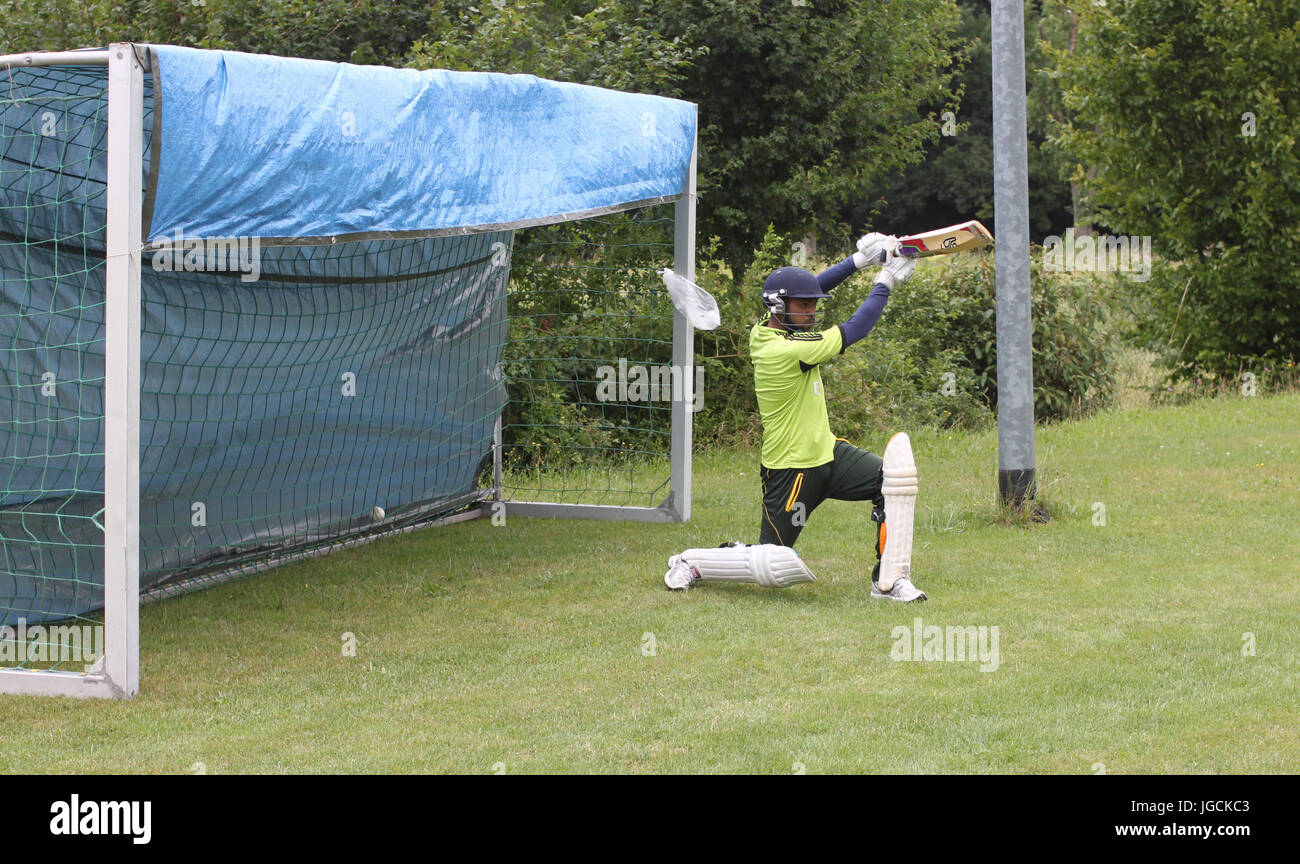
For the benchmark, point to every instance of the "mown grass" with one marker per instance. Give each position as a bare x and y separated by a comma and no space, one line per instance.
1126,626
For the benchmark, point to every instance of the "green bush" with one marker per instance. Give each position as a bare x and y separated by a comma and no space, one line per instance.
582,296
949,306
1204,327
912,369
930,361
1184,112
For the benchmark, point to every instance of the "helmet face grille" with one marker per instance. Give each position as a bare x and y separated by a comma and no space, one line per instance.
790,283
774,300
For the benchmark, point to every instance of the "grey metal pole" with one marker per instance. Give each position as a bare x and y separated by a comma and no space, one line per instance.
1011,210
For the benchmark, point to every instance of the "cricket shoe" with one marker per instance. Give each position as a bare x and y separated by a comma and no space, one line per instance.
680,575
903,591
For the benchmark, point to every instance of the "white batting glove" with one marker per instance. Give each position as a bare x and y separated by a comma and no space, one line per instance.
874,248
895,271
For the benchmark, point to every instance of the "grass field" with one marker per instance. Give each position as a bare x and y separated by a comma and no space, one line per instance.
1151,626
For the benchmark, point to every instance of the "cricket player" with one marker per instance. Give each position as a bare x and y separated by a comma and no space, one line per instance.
802,462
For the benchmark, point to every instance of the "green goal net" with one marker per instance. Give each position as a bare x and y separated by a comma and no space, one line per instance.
52,233
589,362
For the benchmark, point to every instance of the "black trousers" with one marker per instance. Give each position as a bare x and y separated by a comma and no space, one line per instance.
790,495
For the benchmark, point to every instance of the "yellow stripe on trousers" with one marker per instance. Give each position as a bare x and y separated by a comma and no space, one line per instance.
794,492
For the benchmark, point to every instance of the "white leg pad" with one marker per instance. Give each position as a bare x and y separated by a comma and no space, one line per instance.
766,564
899,489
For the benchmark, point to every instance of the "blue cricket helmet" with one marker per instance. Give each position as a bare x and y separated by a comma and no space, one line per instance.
791,283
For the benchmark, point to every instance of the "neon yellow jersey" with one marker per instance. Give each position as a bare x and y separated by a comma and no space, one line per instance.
788,383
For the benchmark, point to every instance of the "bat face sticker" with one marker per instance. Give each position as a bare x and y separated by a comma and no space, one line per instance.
945,241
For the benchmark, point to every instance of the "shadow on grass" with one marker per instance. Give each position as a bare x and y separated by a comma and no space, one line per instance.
735,593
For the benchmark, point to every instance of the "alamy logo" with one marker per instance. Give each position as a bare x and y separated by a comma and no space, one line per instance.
932,643
241,255
1098,254
55,643
649,384
74,816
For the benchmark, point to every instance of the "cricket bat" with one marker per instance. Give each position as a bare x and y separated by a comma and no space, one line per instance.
944,241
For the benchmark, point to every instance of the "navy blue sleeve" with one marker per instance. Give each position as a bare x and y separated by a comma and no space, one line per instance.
856,328
836,273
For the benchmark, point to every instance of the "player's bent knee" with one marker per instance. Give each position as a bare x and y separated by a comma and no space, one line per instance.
765,564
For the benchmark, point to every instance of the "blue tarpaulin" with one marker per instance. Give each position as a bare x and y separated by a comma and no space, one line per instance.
274,147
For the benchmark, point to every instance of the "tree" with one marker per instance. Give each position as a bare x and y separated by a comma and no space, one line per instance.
358,31
580,41
806,106
1190,112
955,180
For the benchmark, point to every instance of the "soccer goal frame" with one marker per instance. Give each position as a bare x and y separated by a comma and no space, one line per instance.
116,674
676,507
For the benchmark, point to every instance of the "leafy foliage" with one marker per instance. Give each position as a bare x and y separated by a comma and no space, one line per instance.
1190,112
805,107
954,305
604,44
955,180
359,31
584,295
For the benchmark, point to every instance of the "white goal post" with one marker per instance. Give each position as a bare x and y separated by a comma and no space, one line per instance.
116,673
676,507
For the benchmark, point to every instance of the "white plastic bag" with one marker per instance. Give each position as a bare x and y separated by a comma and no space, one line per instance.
691,300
